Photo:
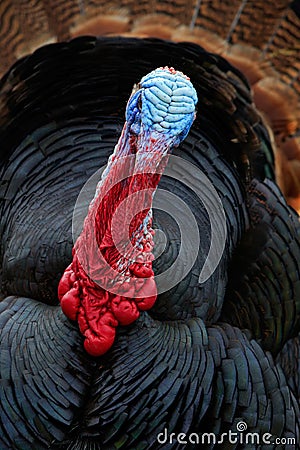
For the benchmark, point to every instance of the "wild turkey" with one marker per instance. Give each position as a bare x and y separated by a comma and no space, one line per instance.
183,366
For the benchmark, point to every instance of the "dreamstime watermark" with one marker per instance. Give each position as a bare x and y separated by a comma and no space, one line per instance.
188,175
240,436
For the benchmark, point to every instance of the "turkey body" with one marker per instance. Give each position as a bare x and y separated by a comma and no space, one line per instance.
186,365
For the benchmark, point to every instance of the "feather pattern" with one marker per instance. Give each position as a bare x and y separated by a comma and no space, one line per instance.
199,360
269,308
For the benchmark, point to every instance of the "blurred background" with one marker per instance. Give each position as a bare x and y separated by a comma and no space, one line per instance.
260,37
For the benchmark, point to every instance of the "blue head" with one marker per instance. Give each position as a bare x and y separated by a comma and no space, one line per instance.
162,106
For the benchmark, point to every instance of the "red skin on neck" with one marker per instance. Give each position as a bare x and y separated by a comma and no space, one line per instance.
110,279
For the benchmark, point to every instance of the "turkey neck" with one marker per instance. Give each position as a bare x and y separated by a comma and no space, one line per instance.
112,258
110,279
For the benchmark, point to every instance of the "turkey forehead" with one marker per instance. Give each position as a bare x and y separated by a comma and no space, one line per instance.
164,101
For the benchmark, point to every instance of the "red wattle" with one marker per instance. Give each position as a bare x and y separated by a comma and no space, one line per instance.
146,303
147,295
97,345
110,280
70,303
141,270
124,310
65,282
